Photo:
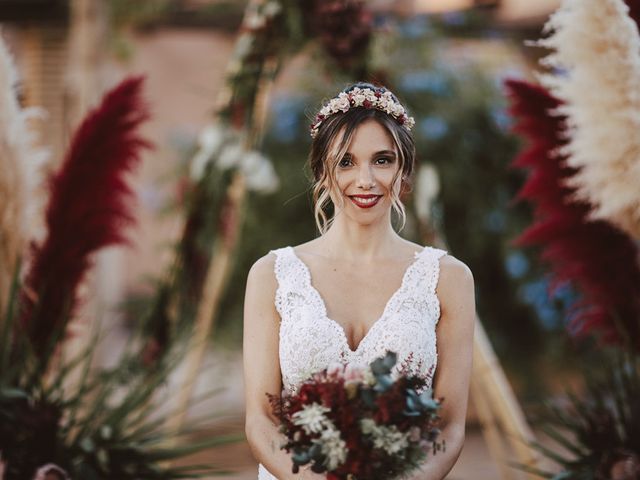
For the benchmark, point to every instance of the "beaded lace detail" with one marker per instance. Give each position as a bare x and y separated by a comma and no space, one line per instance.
311,341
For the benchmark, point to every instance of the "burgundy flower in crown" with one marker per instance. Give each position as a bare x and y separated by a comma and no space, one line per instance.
366,98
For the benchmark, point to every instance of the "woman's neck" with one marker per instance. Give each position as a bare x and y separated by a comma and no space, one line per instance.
348,240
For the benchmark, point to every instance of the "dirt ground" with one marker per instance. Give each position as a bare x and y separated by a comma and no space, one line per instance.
474,463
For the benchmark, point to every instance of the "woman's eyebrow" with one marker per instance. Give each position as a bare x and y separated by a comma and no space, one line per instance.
386,152
380,152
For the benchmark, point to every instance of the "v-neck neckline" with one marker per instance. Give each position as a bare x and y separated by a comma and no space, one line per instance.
385,312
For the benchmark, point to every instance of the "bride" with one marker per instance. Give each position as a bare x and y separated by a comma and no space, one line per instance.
359,288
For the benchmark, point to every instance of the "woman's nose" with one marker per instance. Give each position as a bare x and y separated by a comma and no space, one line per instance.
365,176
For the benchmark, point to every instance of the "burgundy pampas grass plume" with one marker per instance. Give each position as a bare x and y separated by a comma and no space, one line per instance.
597,259
89,208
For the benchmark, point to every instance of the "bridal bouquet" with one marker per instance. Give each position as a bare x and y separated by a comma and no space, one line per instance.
359,423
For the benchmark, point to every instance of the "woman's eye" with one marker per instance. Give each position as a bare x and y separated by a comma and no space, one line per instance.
344,162
383,159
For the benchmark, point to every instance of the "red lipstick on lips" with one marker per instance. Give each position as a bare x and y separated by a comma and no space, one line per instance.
365,201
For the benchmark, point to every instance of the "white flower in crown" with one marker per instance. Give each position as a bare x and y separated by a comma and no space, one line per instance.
383,103
341,104
367,98
358,99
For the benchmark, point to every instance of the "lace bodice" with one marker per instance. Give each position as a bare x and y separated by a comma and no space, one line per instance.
310,341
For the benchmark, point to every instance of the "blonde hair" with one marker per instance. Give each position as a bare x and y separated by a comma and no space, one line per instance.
325,156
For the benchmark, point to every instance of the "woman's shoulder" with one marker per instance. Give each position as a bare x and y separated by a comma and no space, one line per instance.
451,269
455,281
263,269
453,266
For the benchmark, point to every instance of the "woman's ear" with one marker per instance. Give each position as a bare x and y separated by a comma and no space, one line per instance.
405,186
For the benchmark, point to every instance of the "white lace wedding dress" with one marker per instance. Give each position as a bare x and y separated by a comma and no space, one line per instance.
310,341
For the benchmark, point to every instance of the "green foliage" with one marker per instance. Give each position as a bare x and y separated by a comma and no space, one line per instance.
597,430
94,422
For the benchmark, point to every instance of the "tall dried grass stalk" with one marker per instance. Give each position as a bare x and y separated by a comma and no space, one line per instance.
595,71
20,173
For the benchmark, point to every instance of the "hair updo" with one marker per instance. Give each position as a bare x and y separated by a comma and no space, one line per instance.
323,165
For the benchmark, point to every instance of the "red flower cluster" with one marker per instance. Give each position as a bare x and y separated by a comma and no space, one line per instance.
353,422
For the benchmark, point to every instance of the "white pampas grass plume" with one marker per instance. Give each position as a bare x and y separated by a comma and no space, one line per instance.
595,66
427,189
20,177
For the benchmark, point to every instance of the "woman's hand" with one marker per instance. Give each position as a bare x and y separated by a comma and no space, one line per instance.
307,474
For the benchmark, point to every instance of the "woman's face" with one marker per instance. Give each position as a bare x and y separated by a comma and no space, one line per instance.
364,175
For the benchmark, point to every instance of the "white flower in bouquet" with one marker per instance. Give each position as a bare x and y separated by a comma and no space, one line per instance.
355,373
389,439
367,425
311,418
333,446
335,369
369,377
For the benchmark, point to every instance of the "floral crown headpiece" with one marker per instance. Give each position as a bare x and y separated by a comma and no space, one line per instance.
363,97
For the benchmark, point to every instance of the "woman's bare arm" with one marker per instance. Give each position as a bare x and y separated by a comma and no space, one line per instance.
262,371
456,293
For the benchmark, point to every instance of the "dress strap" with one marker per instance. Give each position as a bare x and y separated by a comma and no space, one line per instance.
282,265
290,277
432,276
426,278
289,271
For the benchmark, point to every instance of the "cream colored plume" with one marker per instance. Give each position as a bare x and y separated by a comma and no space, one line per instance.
20,167
427,189
595,64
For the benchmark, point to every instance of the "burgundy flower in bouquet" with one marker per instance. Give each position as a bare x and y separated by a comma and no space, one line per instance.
359,422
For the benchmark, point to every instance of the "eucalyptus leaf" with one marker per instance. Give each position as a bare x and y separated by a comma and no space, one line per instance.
87,445
368,397
301,457
383,384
